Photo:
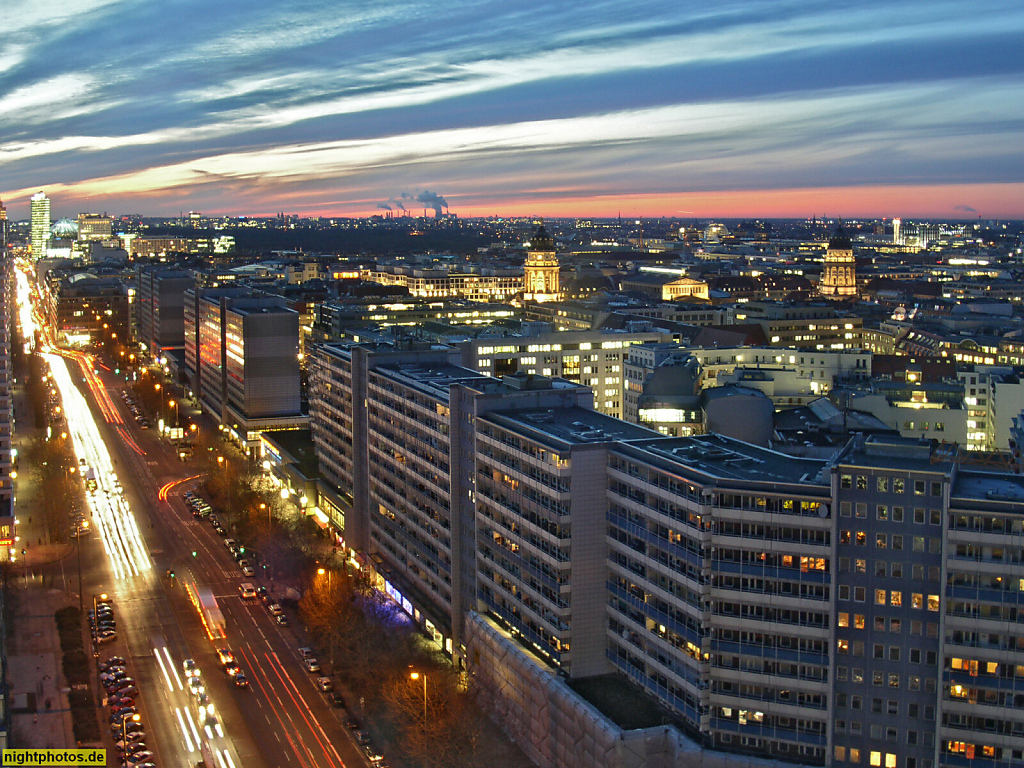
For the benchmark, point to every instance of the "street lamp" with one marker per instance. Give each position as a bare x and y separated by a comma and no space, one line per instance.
81,598
124,736
416,676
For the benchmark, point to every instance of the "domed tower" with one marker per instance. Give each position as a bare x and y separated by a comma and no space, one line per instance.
839,275
540,272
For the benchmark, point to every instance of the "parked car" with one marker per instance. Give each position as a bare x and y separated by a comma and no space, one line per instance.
312,665
362,738
337,700
324,684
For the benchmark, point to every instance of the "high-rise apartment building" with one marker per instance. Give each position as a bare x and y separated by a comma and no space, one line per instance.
40,224
160,308
859,610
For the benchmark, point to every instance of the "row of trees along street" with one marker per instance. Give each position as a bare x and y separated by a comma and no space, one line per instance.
58,492
414,694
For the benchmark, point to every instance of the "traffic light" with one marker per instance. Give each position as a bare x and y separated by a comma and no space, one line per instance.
171,574
241,550
195,553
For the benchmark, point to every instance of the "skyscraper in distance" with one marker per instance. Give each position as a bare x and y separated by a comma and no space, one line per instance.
3,226
40,224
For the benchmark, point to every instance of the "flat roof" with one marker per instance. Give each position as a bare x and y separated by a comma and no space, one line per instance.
721,456
621,702
573,425
989,486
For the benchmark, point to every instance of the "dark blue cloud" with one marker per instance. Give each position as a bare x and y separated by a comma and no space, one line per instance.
188,97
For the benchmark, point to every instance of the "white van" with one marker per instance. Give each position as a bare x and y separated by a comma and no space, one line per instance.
247,590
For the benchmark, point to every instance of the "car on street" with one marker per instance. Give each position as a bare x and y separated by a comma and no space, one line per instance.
241,681
232,668
248,570
106,636
263,595
113,661
337,700
247,590
306,653
311,665
281,620
195,686
224,655
142,757
275,609
362,738
324,684
352,723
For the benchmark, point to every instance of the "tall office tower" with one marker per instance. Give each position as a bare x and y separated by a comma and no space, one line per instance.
540,272
8,309
897,231
3,226
839,275
40,224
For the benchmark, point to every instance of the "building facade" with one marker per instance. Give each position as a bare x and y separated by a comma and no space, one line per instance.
540,271
839,268
40,224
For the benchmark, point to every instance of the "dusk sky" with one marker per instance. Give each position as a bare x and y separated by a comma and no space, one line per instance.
683,109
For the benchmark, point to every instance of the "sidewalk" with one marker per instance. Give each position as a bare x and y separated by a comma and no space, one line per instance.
40,716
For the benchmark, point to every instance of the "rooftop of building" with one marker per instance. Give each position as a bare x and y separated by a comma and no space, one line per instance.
434,376
897,452
989,486
621,702
572,425
720,456
297,444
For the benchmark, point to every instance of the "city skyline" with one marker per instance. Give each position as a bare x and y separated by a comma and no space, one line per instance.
780,110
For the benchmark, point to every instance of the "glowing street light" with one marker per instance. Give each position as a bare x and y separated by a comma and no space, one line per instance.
416,676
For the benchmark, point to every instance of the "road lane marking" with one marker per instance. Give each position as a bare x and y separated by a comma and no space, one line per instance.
174,671
192,725
167,677
184,730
